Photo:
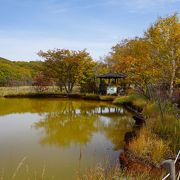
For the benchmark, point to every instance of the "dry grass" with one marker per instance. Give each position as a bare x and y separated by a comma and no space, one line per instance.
25,90
100,172
148,146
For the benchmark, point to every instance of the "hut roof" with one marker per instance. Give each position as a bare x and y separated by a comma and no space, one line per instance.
112,75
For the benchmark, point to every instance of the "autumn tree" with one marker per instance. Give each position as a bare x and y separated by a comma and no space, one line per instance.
101,67
87,83
164,39
67,67
132,57
150,60
41,82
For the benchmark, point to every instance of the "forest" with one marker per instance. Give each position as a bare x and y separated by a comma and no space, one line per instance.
18,73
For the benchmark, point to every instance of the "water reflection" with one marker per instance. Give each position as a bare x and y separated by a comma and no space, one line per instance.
65,122
116,129
66,134
65,129
76,122
24,105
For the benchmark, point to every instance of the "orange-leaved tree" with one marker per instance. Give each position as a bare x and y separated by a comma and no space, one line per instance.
132,57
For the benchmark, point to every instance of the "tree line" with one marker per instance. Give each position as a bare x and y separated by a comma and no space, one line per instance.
18,73
152,60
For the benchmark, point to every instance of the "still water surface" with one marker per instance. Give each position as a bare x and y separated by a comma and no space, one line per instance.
58,138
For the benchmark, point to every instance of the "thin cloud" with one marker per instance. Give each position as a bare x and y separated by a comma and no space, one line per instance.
130,5
145,4
26,49
137,5
62,8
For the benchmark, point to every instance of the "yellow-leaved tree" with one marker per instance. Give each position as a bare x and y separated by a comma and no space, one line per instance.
132,57
153,59
164,40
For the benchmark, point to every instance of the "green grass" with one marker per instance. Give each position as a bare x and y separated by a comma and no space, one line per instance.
140,102
131,98
165,123
167,129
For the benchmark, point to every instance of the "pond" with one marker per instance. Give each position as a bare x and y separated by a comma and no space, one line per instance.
58,138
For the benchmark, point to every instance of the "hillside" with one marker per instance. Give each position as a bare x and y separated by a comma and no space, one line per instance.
18,72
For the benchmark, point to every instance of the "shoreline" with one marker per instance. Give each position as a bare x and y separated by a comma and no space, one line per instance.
95,97
128,159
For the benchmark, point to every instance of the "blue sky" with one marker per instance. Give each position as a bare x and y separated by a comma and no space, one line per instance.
27,26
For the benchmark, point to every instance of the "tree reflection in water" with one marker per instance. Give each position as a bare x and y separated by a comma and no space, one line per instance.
116,130
69,125
75,122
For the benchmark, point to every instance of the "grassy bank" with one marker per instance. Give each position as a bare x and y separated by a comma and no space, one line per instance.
49,92
134,99
158,140
162,129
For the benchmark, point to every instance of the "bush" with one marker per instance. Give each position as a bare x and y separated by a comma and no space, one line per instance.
89,87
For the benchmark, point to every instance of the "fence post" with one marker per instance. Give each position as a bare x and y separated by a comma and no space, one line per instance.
170,166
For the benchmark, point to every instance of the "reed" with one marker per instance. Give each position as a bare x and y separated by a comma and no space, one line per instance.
18,167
